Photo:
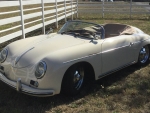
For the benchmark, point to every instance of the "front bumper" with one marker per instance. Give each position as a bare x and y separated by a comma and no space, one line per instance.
25,88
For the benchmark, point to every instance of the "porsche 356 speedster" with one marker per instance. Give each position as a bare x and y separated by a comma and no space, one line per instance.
46,65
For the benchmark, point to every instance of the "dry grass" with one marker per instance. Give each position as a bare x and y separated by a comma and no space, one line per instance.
126,91
112,6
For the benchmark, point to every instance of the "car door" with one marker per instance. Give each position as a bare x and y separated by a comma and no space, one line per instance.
117,52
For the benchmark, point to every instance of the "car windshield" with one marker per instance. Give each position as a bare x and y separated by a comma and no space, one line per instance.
83,29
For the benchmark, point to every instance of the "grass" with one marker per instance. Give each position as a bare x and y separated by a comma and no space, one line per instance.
126,91
112,6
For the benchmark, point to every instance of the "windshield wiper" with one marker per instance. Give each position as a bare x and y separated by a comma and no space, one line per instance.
71,32
66,32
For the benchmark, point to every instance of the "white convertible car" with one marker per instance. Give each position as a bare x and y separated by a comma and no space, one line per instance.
46,65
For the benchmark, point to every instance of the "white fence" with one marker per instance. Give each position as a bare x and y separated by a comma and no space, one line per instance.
103,7
48,11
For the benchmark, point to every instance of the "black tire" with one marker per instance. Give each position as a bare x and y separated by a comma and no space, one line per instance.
73,80
144,55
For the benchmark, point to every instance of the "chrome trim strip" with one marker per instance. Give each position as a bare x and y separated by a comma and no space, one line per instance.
115,70
94,54
115,48
82,57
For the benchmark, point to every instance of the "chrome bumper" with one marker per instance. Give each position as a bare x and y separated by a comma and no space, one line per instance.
25,88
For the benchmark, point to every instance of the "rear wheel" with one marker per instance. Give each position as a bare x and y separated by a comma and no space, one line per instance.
73,80
144,55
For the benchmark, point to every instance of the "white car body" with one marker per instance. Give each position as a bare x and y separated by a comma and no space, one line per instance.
61,51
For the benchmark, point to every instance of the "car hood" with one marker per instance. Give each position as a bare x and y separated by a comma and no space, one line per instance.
32,53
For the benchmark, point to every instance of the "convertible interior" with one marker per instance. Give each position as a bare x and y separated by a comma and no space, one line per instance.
112,30
118,29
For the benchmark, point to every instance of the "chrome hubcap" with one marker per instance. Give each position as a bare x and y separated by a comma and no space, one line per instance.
144,54
78,78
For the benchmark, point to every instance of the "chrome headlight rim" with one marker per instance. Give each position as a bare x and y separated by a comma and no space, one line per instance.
40,75
6,51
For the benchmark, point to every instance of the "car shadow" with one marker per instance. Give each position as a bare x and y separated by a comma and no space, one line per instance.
14,101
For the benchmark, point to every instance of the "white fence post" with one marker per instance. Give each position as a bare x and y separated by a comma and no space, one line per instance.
65,10
43,20
130,8
22,19
34,24
77,9
56,14
71,11
103,9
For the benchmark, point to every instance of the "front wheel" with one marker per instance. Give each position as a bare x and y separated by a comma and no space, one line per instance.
144,55
73,80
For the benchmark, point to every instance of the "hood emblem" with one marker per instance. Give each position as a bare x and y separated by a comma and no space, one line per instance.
18,58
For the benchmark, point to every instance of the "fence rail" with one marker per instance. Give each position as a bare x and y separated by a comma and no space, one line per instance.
122,7
36,14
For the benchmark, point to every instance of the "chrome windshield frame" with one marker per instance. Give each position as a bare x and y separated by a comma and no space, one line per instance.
101,27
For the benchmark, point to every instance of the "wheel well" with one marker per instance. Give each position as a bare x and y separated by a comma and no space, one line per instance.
148,46
89,71
140,49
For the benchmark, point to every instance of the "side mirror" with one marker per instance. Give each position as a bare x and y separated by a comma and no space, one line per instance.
50,31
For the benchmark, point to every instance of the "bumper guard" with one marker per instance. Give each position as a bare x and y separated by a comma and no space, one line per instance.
25,88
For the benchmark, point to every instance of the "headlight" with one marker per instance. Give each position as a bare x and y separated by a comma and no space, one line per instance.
3,55
40,69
